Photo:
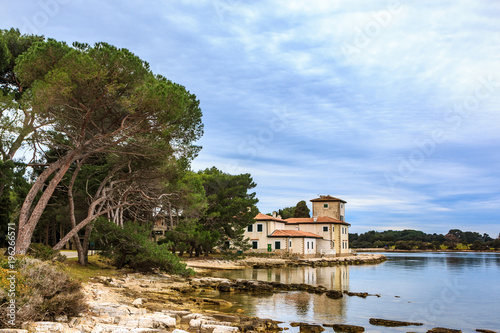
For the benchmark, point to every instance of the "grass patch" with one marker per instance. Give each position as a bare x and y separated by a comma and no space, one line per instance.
97,266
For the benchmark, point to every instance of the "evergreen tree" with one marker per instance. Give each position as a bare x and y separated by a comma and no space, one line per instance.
301,210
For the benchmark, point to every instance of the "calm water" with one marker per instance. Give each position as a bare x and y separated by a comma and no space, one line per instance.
453,290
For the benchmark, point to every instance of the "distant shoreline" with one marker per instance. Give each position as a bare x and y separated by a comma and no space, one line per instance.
375,249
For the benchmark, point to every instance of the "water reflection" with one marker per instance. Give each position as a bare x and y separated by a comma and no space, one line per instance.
458,290
336,278
294,306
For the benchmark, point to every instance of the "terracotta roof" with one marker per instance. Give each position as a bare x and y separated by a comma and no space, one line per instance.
293,233
264,217
327,198
321,219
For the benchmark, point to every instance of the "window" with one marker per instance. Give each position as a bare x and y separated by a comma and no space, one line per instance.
250,228
255,245
159,232
333,228
277,245
325,229
312,245
325,205
259,227
290,244
342,218
308,245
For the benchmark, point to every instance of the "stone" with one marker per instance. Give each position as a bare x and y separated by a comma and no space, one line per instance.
443,330
335,294
346,328
12,330
212,328
105,328
62,319
113,309
137,303
227,318
392,323
308,328
45,326
179,331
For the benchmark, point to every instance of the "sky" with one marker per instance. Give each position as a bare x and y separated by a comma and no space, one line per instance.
392,106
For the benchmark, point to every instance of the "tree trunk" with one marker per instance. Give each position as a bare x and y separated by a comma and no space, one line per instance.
27,221
82,256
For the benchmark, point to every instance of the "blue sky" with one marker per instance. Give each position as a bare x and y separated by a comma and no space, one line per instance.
392,106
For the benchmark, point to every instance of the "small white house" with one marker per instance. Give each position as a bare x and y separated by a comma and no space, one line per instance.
326,234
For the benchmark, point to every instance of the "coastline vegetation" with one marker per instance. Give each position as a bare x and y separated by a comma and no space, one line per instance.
455,239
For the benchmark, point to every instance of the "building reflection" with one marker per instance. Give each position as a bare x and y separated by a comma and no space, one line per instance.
333,278
300,304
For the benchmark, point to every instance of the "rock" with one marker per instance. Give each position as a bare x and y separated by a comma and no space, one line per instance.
308,328
227,318
179,331
137,303
45,326
335,294
106,328
62,319
213,328
485,331
443,330
346,328
113,309
392,323
151,320
12,330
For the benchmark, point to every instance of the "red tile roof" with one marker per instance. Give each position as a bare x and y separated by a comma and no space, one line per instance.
327,198
321,219
264,217
293,233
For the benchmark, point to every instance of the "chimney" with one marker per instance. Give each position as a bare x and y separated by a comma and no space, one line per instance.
315,219
274,214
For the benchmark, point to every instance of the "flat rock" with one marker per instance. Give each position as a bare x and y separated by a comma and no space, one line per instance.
213,328
335,294
309,328
392,323
346,328
443,330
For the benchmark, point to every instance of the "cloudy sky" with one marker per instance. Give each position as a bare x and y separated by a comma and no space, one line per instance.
392,106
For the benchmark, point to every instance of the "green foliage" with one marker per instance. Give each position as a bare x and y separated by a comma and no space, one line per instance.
286,212
231,207
43,252
43,292
301,210
131,246
414,239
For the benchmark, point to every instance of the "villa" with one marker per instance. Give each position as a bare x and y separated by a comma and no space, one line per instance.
324,234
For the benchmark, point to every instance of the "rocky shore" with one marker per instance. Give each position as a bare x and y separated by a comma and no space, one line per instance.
261,262
139,303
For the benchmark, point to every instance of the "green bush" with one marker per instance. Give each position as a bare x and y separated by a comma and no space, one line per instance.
42,292
130,246
44,252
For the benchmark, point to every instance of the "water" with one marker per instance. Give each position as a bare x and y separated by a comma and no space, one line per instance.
453,290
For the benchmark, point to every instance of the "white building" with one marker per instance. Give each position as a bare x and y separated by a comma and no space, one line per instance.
326,233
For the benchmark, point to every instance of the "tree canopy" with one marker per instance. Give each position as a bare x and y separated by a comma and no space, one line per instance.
102,100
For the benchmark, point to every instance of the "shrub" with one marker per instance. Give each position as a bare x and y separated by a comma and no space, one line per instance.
131,246
44,252
42,292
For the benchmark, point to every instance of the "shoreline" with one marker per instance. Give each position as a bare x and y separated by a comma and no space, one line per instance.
260,262
154,303
375,249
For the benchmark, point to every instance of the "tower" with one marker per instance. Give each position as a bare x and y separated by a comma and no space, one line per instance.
329,206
